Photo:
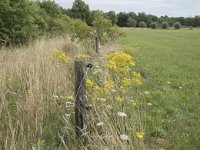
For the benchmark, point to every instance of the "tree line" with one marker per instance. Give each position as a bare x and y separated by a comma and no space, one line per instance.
132,19
25,20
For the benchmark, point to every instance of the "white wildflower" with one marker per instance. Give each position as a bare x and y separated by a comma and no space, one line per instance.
146,92
168,82
113,90
100,124
121,114
102,99
55,96
180,87
124,137
149,104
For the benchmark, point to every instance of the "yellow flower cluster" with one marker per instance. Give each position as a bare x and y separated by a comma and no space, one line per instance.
140,135
119,99
126,82
89,83
121,64
60,56
84,56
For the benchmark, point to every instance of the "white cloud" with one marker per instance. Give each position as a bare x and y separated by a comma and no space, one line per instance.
155,7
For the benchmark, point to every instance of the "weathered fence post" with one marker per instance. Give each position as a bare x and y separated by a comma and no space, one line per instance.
80,95
97,41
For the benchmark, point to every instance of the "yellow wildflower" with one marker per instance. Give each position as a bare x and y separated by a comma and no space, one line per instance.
119,99
140,135
96,88
126,82
51,58
137,75
134,103
120,62
105,91
60,55
108,85
89,83
137,81
84,56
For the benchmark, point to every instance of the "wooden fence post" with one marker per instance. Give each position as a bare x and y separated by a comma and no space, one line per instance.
97,41
80,95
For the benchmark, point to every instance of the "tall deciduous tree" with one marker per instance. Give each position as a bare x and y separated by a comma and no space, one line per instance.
112,16
81,10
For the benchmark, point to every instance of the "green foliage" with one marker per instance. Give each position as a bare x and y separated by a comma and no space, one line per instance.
132,22
122,19
104,30
81,11
51,8
177,25
112,16
154,25
142,24
17,21
165,25
52,20
22,20
80,30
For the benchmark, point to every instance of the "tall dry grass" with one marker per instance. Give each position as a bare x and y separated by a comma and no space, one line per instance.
35,107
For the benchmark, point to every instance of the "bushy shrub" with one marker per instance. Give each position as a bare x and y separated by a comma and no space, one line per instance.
165,25
177,25
154,25
142,24
80,30
104,29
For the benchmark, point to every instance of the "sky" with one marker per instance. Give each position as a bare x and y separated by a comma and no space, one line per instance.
176,8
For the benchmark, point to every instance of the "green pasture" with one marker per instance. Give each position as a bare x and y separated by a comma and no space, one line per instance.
169,62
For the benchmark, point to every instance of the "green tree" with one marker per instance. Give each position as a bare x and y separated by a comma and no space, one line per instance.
17,21
104,29
81,11
177,25
154,25
131,22
142,24
112,16
165,25
122,19
52,18
51,8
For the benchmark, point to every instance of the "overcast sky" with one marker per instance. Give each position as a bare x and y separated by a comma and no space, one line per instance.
175,8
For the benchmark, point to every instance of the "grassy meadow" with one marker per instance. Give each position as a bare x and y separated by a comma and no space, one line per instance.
169,62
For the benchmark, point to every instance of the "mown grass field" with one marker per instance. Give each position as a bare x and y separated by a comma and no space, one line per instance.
169,61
